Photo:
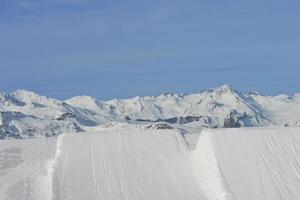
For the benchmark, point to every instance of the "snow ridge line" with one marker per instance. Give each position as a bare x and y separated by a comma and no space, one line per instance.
51,168
59,142
210,176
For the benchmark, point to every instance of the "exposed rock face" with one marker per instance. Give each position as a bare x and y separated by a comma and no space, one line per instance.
21,126
26,114
9,129
180,120
234,119
159,126
187,119
79,119
8,99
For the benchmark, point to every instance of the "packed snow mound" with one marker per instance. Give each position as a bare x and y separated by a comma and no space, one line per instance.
230,164
219,107
126,164
132,164
258,163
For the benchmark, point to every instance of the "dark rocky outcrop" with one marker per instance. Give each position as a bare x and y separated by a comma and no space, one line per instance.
159,126
80,119
8,99
234,119
180,120
8,130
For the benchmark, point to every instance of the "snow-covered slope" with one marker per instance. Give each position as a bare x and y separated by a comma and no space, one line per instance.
25,114
281,109
26,168
225,164
259,163
212,106
126,164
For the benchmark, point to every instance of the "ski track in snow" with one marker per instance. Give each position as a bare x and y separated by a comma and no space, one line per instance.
260,163
51,169
227,164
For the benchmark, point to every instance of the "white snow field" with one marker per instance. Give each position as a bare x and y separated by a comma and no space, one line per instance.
126,164
26,169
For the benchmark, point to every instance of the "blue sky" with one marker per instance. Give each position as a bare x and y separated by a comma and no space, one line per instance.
122,48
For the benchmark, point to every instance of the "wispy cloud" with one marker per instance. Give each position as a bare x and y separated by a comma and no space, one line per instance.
19,10
45,3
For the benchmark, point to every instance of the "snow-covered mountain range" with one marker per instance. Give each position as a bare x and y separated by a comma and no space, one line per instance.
25,114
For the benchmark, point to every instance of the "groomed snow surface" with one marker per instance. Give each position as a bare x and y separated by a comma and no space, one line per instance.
233,164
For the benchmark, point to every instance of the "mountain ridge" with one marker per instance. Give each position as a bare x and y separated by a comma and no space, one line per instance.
218,107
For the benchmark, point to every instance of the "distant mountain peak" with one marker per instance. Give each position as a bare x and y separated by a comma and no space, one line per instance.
85,98
32,97
8,99
225,89
25,93
85,102
218,107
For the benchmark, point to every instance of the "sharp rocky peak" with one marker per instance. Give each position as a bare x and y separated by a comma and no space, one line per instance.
225,89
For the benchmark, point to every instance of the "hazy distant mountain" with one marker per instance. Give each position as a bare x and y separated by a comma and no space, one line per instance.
25,114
